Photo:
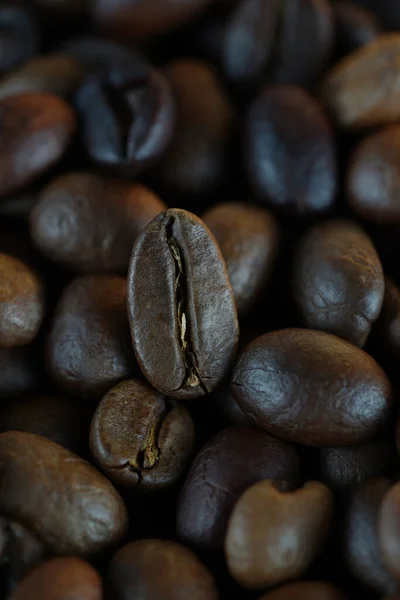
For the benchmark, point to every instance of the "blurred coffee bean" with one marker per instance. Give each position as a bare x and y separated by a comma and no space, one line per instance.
355,26
197,162
248,237
362,90
389,530
305,590
19,368
224,468
89,222
148,569
35,131
181,306
35,475
289,152
19,34
342,395
61,579
338,281
140,438
88,348
275,535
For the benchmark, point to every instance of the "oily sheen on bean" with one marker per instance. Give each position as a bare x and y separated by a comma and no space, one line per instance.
312,388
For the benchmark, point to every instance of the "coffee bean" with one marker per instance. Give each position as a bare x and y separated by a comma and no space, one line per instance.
288,152
35,475
338,280
342,396
19,37
88,348
362,91
19,370
373,181
355,26
90,223
35,131
389,527
198,160
61,578
178,575
305,590
181,306
229,463
273,535
141,439
248,237
21,302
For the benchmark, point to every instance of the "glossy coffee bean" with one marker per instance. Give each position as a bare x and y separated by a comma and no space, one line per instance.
305,590
22,303
248,237
229,463
181,306
275,535
89,222
35,472
361,548
342,395
361,90
141,439
141,20
355,26
389,527
88,347
19,370
373,180
338,283
127,117
35,131
53,74
385,336
19,37
198,161
289,153
60,579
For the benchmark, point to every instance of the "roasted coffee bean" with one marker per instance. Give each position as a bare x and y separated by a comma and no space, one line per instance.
21,303
342,396
289,153
305,590
373,181
355,26
362,90
181,306
248,237
150,569
90,223
35,475
385,335
127,117
338,281
389,527
141,439
89,349
19,34
53,73
141,20
198,161
361,546
273,535
229,463
19,370
35,131
61,579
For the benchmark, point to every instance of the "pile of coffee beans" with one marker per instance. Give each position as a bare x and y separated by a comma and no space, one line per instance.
199,299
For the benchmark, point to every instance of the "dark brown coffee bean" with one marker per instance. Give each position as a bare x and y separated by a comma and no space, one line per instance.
19,370
248,237
229,463
61,579
150,569
35,131
389,530
289,153
338,281
181,306
198,160
19,37
90,223
305,590
355,26
373,181
342,396
362,89
21,303
140,20
89,348
52,73
36,473
274,536
139,438
361,546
